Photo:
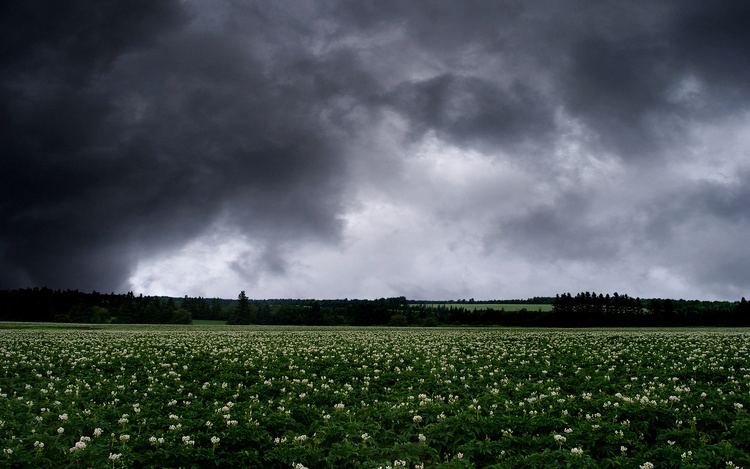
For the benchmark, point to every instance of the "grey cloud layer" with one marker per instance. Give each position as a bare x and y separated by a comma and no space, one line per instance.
133,129
144,141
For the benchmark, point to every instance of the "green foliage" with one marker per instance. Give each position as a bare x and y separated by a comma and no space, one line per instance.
99,315
243,312
492,306
322,397
398,320
585,309
180,315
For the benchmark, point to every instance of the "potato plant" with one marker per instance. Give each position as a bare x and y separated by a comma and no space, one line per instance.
371,398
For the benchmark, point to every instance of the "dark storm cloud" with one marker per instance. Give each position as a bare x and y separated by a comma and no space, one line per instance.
626,84
710,40
54,175
128,132
472,111
130,129
620,69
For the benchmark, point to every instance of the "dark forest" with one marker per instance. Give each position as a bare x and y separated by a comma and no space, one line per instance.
584,309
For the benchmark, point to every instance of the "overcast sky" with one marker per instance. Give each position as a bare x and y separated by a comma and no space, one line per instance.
437,150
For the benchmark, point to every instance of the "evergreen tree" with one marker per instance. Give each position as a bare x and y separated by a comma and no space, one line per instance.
215,310
242,313
154,311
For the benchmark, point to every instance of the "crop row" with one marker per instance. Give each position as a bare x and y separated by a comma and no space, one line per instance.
374,398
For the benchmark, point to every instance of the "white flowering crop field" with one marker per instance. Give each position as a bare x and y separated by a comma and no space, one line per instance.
265,397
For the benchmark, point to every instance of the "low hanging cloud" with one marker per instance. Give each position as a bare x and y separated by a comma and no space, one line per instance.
324,148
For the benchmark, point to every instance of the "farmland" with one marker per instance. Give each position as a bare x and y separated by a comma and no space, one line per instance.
373,397
492,306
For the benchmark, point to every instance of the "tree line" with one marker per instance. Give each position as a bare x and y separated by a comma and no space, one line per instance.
47,305
592,310
585,309
535,300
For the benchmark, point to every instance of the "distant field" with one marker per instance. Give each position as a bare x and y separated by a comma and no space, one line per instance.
208,322
498,306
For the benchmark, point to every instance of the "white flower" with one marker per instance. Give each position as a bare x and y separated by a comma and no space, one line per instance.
560,439
63,417
417,418
38,445
365,436
460,455
623,449
60,431
8,451
124,438
114,456
215,440
738,406
80,445
576,451
422,438
339,406
646,465
98,432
